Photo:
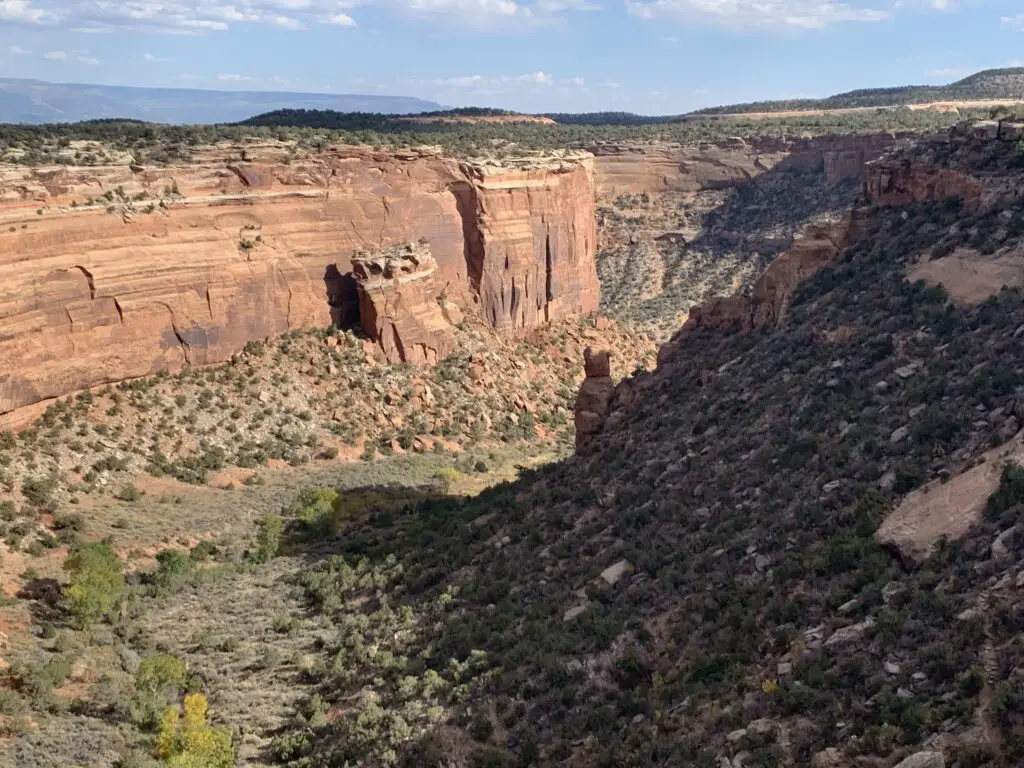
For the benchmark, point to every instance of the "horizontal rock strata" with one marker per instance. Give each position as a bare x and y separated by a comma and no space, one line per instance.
114,272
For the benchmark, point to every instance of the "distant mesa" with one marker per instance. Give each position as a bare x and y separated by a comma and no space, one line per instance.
38,101
998,85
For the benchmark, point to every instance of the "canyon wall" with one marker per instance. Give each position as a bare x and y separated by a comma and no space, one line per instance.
899,181
108,273
624,169
968,164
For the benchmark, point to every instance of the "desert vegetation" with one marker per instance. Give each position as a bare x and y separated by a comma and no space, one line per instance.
102,141
306,398
989,84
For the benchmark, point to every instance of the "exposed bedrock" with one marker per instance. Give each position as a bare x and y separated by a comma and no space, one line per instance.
398,304
622,169
591,409
109,273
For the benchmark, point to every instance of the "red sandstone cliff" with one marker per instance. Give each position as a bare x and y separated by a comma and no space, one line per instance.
621,169
115,272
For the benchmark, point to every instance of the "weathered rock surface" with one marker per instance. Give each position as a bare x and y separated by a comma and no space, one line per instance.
923,760
945,510
970,276
829,758
594,396
129,270
623,169
901,182
937,172
529,269
398,304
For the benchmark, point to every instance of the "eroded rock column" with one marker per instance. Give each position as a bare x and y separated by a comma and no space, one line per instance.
594,397
398,304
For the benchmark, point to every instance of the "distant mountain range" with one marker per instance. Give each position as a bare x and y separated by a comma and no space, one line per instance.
37,101
995,84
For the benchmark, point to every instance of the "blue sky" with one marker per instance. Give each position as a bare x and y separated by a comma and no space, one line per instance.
648,56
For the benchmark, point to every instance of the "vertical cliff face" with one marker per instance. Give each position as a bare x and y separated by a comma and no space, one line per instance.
532,257
117,272
901,182
623,169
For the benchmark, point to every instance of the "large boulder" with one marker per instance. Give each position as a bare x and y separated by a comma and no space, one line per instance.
923,760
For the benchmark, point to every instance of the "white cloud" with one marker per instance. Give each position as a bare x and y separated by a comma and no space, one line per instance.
793,14
21,10
538,78
946,72
1014,21
55,56
17,51
472,11
495,83
194,17
89,61
232,78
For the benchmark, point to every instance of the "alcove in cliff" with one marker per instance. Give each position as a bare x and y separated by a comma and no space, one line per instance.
343,297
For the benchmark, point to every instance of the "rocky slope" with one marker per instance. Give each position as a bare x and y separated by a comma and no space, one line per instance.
116,272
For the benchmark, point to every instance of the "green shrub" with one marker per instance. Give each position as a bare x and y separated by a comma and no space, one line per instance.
268,538
129,493
174,567
97,582
1008,495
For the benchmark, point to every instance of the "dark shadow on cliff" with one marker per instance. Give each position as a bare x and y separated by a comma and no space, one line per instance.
656,283
472,244
764,213
342,296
